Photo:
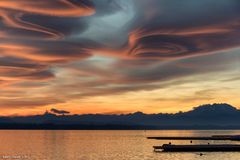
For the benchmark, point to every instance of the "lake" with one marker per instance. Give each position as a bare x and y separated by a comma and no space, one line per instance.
100,145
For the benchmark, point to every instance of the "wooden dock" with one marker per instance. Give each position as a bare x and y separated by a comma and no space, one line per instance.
198,148
214,137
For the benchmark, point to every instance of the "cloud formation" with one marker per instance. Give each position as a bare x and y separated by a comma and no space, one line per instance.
156,29
87,48
56,111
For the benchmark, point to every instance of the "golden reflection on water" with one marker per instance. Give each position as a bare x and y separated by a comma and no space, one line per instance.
99,145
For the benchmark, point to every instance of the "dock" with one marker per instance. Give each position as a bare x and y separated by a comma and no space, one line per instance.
198,148
214,137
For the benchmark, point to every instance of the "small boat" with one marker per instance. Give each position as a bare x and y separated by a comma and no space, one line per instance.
198,148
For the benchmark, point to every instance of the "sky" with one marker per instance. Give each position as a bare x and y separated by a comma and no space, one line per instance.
118,56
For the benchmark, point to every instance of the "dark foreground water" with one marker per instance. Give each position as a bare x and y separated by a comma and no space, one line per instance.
100,145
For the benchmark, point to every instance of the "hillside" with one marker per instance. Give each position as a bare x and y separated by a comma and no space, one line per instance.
201,117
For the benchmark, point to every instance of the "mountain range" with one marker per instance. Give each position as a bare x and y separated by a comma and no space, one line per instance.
210,116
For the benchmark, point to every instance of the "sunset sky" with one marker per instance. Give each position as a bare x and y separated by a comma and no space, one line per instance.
118,56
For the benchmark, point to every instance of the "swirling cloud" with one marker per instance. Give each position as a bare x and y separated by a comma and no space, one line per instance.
63,8
40,41
171,29
87,48
155,29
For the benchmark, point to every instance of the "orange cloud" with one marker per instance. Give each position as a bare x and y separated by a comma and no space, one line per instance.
37,52
64,8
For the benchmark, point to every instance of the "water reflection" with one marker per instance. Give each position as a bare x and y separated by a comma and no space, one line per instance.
101,145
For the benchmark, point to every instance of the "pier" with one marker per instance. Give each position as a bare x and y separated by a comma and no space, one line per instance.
199,147
214,137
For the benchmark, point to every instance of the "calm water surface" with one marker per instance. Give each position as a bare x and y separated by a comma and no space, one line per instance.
100,145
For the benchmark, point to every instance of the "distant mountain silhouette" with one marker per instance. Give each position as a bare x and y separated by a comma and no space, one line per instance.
210,116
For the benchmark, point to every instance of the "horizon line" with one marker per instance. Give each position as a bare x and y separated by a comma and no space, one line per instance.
112,113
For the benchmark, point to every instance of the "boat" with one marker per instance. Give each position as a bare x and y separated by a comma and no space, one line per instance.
198,148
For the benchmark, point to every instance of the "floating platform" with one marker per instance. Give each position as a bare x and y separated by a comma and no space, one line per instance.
198,148
214,137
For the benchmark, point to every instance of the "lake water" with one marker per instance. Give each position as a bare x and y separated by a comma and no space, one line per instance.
100,145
